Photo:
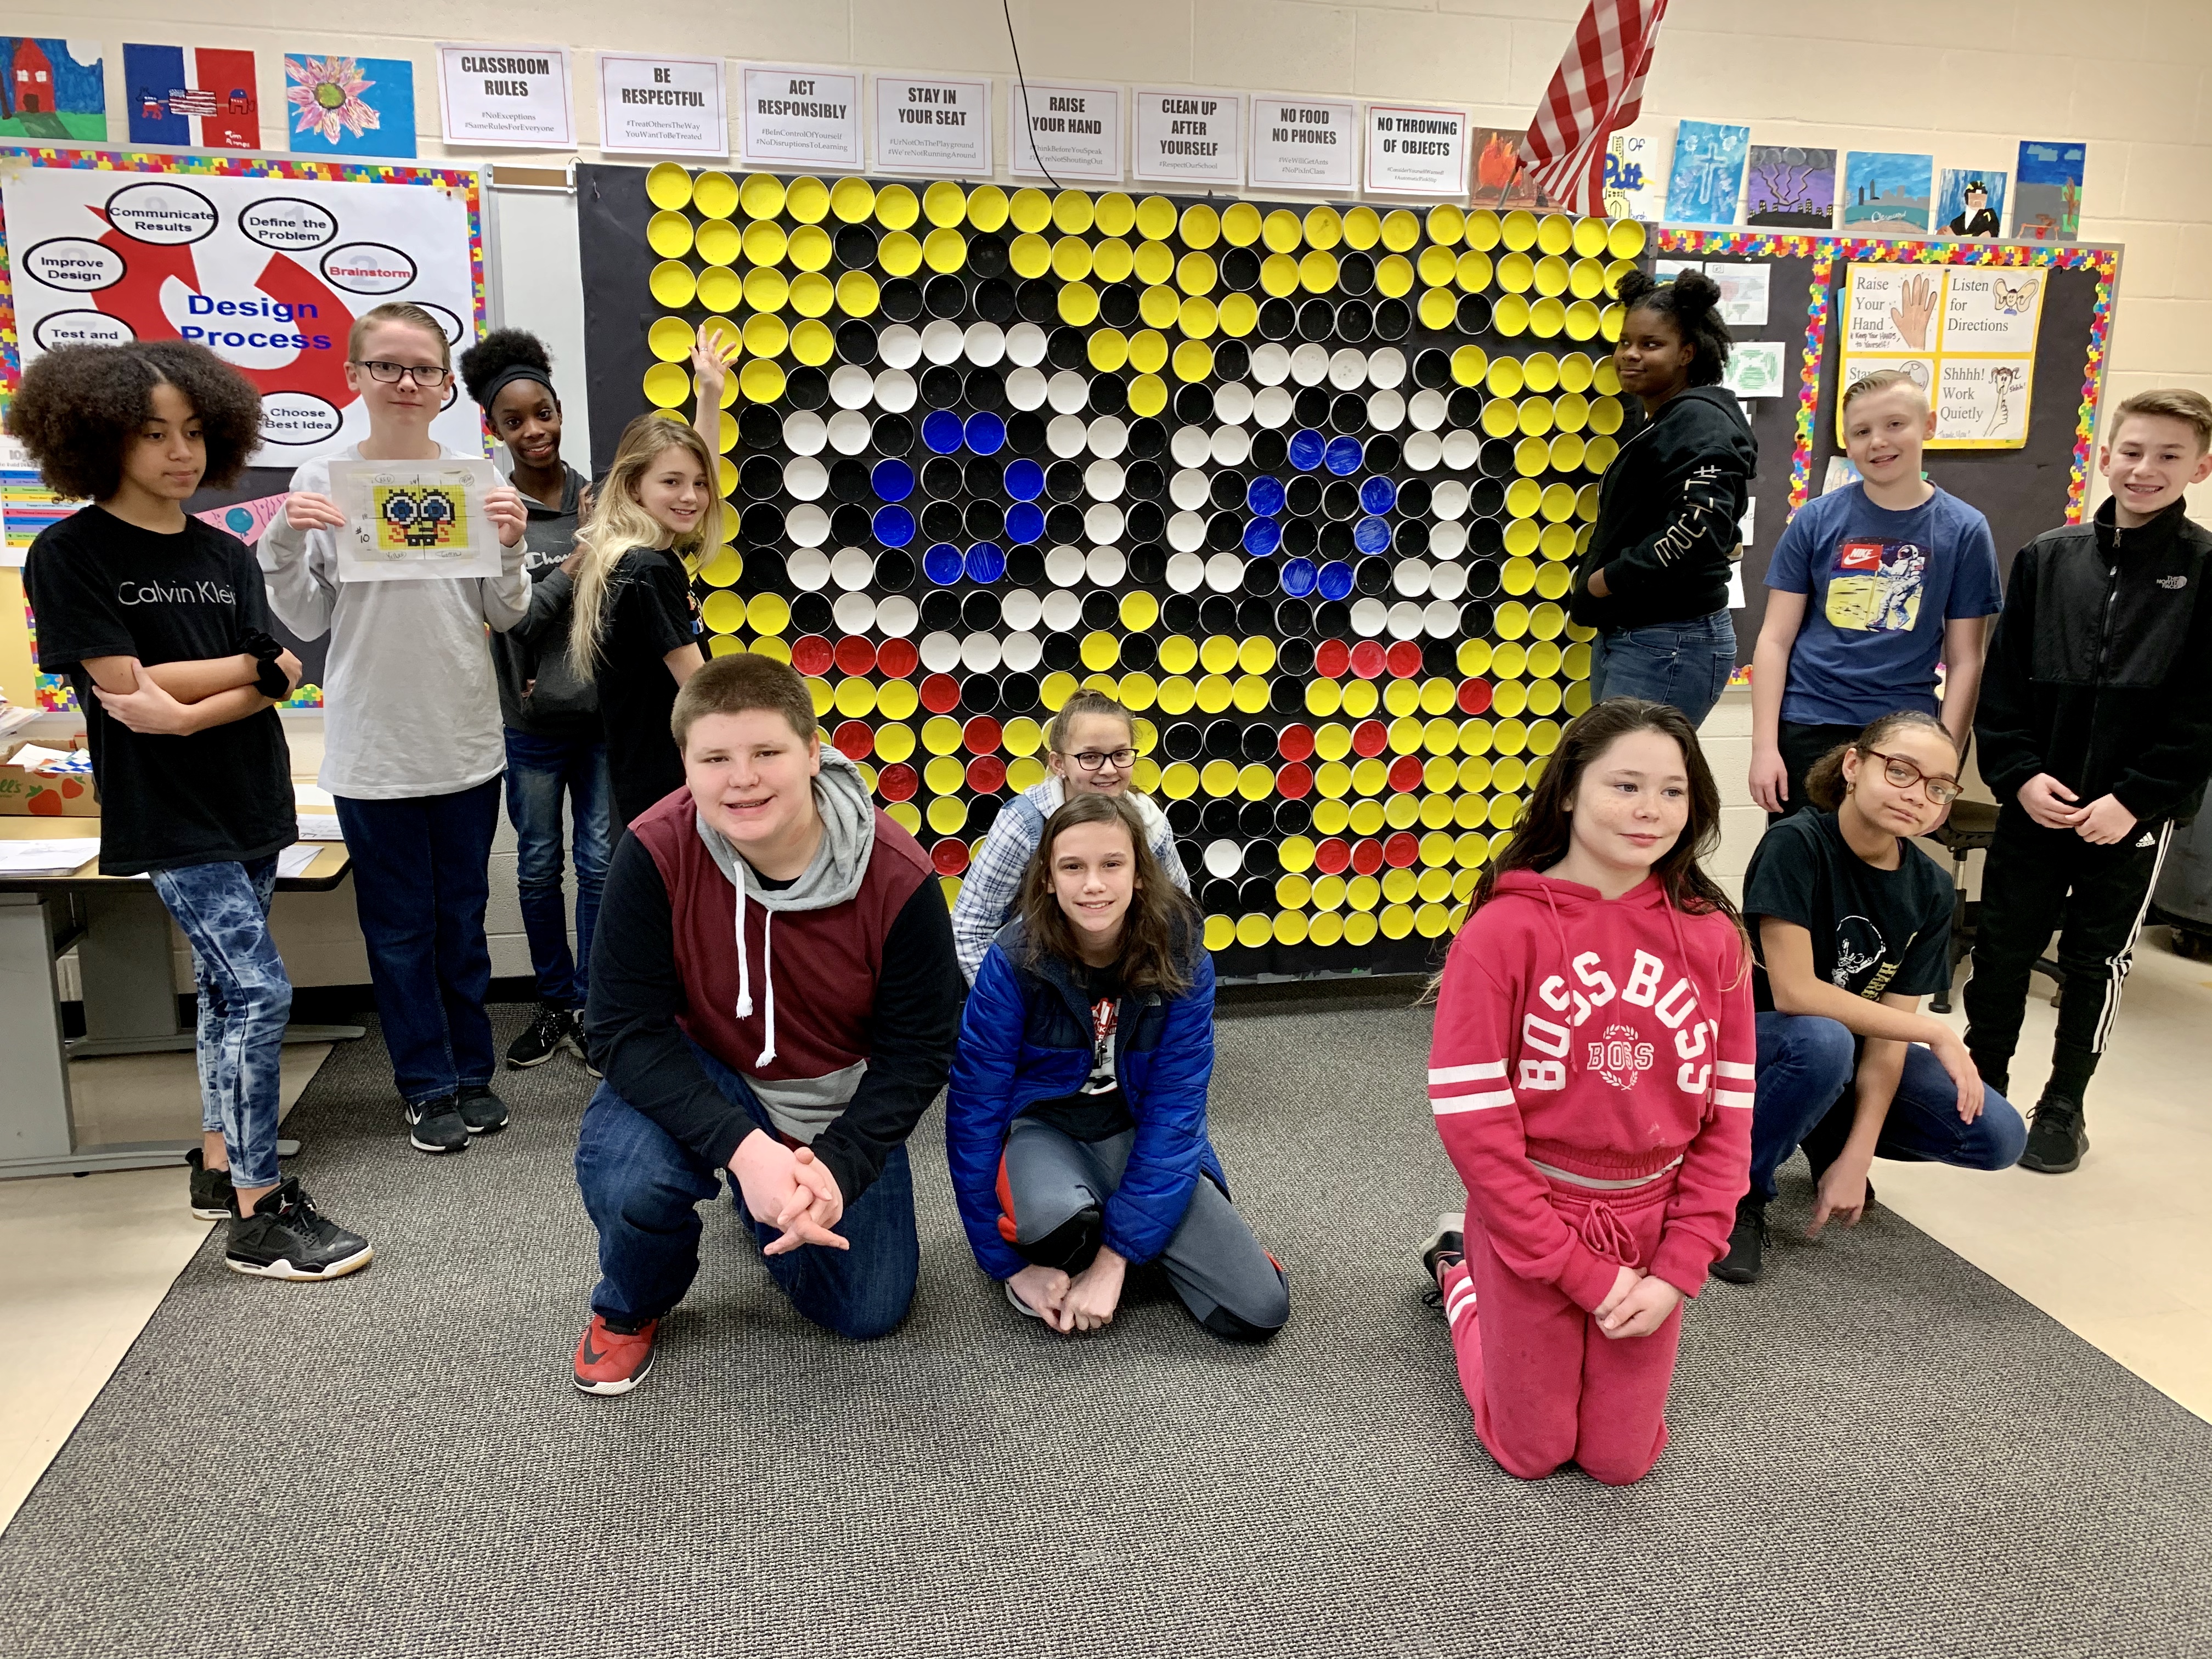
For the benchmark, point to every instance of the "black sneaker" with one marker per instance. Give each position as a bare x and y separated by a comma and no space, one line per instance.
436,1126
1747,1252
483,1112
213,1197
1444,1248
2055,1137
287,1238
554,1030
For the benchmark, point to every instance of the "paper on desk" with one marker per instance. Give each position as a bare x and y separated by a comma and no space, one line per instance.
37,757
293,861
46,858
319,826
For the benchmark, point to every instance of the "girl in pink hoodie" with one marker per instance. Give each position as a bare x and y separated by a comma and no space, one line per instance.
1591,1076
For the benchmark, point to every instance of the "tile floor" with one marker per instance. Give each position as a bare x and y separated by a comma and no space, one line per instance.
2113,1251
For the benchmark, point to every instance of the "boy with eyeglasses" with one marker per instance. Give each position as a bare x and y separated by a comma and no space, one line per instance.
1091,746
412,745
1870,586
2096,734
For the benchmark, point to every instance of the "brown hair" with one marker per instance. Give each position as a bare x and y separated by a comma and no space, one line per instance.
2176,403
80,408
1544,831
737,684
1160,930
1882,380
1078,704
399,311
1824,781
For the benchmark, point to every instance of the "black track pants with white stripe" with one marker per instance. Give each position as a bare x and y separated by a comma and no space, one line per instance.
2039,879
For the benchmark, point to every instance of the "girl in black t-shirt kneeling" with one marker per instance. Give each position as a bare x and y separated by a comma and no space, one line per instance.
161,623
1851,926
636,623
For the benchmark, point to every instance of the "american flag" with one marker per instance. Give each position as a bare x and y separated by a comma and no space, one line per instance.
191,100
1597,90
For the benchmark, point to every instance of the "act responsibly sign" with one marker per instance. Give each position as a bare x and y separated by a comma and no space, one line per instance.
268,272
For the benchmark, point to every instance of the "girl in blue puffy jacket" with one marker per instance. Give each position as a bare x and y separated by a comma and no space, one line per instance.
1076,1119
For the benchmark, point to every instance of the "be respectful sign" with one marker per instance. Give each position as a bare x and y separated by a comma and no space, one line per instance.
505,97
662,106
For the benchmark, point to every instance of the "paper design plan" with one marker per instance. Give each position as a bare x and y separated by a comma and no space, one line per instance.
410,520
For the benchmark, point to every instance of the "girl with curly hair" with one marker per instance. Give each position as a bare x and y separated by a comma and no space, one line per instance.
1076,1116
1654,581
160,622
411,749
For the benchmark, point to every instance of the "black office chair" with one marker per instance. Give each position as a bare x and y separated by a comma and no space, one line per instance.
1971,827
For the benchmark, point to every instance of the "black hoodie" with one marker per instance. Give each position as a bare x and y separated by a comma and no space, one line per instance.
1667,516
2100,670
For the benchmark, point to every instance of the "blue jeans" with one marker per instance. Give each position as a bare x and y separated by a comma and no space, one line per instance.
421,876
642,1187
1686,663
246,999
539,771
1806,1064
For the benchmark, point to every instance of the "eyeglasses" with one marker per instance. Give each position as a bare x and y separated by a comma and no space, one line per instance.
420,373
1091,760
1903,775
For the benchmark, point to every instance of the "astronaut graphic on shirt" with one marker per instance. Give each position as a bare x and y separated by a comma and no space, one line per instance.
1876,586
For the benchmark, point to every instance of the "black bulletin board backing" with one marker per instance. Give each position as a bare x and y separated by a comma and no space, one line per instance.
2022,492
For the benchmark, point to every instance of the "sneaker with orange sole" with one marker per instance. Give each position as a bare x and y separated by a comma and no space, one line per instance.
610,1361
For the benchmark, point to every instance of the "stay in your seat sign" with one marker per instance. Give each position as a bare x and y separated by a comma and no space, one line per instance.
268,272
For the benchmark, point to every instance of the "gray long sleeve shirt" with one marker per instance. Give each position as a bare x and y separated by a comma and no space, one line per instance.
411,706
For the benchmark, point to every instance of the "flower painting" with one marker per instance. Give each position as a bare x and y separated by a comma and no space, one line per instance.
350,106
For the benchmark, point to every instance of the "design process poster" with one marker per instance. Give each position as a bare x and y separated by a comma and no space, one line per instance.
1304,143
268,272
1966,333
940,125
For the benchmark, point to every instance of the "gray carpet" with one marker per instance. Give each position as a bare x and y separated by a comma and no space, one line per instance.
1877,1451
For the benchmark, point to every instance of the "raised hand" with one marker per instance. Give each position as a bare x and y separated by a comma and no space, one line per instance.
1918,310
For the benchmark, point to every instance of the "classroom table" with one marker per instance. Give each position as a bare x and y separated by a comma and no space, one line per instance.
121,932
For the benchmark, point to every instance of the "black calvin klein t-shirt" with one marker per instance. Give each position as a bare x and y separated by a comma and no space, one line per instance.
649,613
1874,931
101,587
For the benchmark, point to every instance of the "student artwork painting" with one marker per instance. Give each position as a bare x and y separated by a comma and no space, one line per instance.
1886,192
1852,926
1972,202
1707,178
1591,1078
411,748
2047,197
52,91
347,106
1870,588
1790,187
2095,734
1075,1120
160,620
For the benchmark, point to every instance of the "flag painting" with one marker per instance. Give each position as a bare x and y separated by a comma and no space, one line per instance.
2047,190
349,105
55,90
218,92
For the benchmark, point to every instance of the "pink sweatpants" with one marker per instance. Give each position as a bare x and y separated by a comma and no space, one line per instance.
1546,1383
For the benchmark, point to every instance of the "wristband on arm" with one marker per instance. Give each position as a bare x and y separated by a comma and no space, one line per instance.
270,679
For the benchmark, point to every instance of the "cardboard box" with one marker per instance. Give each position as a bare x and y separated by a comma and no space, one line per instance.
40,795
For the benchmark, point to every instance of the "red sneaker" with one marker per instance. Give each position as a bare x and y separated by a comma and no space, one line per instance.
608,1362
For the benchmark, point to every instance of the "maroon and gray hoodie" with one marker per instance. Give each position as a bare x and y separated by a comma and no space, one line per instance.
836,995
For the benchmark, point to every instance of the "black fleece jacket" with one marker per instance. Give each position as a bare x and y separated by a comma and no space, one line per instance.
2100,670
1667,516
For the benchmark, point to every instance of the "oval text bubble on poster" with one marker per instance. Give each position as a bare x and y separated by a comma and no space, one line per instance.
68,328
162,213
297,418
446,320
73,263
288,224
367,267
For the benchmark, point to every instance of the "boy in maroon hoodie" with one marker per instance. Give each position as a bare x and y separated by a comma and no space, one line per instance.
1591,1075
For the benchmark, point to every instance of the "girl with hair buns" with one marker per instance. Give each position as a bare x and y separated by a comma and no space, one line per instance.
412,752
1091,749
1075,1120
1852,926
1653,580
556,749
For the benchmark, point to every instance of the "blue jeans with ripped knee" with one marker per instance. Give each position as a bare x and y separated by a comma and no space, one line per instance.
246,1001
